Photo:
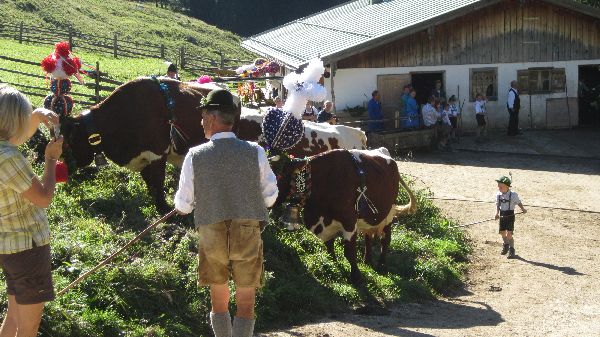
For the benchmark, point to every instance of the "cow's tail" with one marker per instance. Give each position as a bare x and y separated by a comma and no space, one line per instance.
411,207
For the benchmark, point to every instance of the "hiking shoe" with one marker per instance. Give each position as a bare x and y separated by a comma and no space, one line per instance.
511,253
504,249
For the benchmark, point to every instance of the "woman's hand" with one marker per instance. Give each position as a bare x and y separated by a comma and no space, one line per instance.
45,116
54,149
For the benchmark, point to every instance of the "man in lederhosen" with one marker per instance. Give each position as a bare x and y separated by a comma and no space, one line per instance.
513,104
228,184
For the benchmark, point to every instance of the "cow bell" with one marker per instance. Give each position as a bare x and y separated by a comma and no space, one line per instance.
291,217
100,160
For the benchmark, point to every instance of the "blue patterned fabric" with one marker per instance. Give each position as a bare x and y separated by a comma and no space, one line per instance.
281,129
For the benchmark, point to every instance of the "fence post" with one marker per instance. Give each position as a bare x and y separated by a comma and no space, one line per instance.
162,51
21,32
115,46
71,38
182,57
97,87
222,61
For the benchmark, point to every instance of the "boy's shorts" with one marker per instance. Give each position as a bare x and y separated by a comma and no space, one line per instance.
230,249
28,275
508,223
480,119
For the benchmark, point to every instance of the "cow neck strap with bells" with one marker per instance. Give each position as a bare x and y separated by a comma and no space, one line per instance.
179,139
362,201
300,184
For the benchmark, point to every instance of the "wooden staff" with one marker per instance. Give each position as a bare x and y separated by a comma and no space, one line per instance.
115,254
486,220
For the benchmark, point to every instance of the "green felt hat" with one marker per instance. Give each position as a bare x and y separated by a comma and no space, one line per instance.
504,180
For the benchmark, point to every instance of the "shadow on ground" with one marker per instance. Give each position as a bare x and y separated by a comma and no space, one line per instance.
564,270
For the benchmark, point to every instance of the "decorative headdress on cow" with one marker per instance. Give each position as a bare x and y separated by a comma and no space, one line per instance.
283,128
260,67
61,63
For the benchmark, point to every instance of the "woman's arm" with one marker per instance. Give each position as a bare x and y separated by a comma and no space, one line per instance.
41,192
38,116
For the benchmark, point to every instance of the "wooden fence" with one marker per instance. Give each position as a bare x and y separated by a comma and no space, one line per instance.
101,84
120,47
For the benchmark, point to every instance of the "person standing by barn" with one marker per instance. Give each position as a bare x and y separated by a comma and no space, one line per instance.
513,104
480,113
24,228
375,112
229,184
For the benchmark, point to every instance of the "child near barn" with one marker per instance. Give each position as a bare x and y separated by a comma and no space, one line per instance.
480,112
506,201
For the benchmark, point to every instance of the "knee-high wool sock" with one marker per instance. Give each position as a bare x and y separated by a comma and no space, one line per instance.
221,324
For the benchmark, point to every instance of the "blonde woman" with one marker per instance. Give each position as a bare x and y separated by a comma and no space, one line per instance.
24,229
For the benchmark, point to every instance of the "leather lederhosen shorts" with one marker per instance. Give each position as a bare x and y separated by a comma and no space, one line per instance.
507,221
230,249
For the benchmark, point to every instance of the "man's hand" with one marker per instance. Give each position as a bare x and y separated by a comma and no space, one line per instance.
497,216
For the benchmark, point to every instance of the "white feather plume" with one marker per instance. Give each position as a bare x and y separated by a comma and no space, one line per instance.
304,87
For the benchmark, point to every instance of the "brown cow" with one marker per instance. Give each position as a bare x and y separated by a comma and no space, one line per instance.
134,125
330,206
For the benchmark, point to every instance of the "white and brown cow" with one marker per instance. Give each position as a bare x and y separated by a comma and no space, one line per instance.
330,206
318,137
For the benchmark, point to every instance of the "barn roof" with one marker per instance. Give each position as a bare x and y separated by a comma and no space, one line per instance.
363,24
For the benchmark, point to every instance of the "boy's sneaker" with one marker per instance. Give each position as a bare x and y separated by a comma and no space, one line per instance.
511,253
504,249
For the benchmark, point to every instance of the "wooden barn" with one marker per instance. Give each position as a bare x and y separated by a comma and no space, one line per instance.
552,47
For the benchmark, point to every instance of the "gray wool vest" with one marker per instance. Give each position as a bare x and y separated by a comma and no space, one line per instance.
227,182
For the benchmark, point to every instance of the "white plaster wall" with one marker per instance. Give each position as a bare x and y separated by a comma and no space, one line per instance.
350,86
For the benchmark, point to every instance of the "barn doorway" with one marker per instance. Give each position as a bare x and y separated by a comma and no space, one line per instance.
424,83
589,95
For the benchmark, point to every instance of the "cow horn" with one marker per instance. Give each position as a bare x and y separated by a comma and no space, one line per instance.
274,159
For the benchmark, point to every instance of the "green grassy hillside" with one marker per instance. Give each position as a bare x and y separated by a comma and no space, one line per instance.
130,19
122,70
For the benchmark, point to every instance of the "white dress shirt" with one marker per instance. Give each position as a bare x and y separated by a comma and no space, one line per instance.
480,107
511,97
430,115
184,198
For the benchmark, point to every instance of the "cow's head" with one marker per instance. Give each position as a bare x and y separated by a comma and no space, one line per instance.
76,148
285,169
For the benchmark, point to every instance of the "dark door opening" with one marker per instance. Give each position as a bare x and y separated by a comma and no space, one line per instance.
424,83
589,95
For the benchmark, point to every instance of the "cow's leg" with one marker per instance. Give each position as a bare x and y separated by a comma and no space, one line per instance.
368,249
154,176
385,246
331,247
350,254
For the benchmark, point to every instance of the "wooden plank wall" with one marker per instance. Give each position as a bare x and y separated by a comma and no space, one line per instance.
504,33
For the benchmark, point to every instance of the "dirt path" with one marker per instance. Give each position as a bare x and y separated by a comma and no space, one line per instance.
552,289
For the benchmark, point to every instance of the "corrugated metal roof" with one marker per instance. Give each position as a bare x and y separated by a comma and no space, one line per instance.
359,23
345,26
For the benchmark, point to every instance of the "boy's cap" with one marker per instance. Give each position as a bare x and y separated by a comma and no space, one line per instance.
504,180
